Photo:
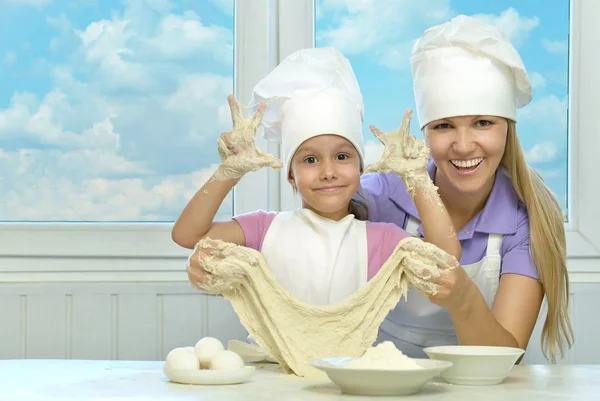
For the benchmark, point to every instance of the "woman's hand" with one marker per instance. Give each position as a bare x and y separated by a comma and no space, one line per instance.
436,273
237,148
453,289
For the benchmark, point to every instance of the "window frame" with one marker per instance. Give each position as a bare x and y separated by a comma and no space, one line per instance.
266,31
583,229
253,58
583,232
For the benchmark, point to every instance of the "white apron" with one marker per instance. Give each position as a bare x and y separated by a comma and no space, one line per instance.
417,323
318,260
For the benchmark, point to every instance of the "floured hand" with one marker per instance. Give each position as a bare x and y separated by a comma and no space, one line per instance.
196,273
198,276
294,332
237,148
452,289
403,153
430,282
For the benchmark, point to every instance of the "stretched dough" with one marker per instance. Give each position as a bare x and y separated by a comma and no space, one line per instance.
294,332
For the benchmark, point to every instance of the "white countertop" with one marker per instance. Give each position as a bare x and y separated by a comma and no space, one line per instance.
50,380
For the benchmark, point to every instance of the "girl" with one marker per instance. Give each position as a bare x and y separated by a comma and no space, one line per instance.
325,251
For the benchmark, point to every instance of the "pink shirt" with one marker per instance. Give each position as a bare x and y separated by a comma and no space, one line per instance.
382,238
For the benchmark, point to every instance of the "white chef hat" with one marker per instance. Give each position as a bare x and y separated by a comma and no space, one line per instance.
312,92
465,67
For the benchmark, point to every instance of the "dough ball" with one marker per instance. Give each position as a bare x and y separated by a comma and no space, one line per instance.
182,358
191,349
206,349
227,360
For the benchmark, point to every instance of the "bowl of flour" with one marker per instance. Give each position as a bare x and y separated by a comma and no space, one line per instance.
381,371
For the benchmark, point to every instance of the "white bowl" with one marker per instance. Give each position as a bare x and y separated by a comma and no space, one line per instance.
376,382
208,376
475,365
249,352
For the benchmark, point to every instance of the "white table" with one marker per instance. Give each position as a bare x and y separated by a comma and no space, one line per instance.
50,380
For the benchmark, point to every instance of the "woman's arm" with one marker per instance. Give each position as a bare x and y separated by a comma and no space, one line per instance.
511,320
438,228
407,157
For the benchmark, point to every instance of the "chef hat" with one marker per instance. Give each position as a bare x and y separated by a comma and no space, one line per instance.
312,92
465,67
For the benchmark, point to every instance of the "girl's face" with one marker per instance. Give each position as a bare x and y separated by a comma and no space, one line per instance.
467,150
326,171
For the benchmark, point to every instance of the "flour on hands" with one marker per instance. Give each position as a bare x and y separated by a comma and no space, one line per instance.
294,332
404,155
237,148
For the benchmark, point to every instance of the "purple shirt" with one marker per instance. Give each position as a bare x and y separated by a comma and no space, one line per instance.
503,214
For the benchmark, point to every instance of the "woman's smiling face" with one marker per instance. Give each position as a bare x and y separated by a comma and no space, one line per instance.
467,150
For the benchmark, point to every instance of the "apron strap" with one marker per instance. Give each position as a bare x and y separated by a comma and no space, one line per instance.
493,245
412,226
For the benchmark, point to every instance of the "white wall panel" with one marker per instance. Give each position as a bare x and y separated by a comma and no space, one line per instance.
145,320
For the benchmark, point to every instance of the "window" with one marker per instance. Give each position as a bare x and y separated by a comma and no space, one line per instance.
109,116
557,129
110,110
127,139
377,37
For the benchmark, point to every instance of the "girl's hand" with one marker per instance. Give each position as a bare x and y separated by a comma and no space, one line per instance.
237,148
403,153
196,273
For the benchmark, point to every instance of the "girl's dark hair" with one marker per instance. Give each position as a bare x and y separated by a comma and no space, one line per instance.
358,206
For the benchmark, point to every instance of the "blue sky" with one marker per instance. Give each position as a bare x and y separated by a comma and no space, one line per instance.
378,41
109,109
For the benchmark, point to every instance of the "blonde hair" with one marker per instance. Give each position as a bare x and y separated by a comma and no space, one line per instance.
548,246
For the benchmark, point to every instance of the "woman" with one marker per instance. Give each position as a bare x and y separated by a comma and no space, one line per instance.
468,83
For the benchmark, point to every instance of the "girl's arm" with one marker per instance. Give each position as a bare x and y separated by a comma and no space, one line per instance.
239,155
196,220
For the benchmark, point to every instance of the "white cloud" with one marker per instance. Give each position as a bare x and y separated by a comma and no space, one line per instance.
373,151
185,36
9,58
197,98
543,125
53,196
396,56
162,6
387,29
381,27
537,80
118,135
34,3
552,174
515,26
224,5
548,115
542,152
555,46
105,45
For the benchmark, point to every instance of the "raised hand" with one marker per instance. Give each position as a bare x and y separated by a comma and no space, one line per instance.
237,148
403,154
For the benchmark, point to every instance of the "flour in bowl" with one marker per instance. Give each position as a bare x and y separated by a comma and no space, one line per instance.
384,356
